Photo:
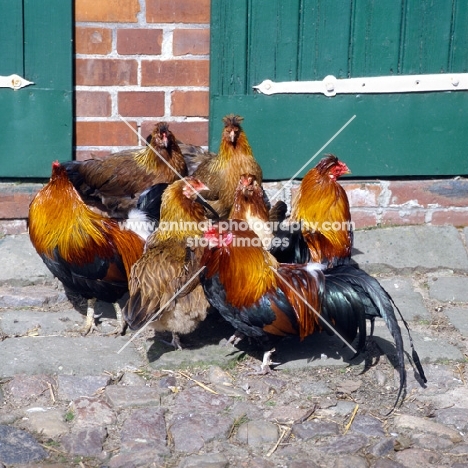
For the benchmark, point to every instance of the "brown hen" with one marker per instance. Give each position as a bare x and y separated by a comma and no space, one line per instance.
113,184
164,285
221,173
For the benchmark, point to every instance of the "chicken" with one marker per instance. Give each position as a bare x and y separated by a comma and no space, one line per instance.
322,208
88,253
164,286
264,299
222,172
251,205
113,184
194,156
283,240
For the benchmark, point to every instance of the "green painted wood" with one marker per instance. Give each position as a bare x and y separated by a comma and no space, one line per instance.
39,131
11,25
375,43
36,122
277,56
458,58
393,135
426,37
324,38
229,47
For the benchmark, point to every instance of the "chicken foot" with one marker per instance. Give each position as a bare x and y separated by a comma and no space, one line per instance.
235,339
91,317
90,324
266,363
175,342
121,325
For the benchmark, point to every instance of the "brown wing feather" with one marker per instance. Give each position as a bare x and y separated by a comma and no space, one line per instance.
151,286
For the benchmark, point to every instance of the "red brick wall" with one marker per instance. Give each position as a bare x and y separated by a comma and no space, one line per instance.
144,61
148,60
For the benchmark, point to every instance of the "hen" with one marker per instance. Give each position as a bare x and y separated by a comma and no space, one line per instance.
194,156
88,253
222,173
321,208
113,184
264,299
164,286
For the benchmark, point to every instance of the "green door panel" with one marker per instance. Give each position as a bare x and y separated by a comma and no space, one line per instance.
36,122
392,135
39,131
412,134
11,26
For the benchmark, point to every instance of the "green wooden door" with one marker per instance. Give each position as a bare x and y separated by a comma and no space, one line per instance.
397,134
36,122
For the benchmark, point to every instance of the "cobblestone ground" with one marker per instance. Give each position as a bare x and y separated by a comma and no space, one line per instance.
68,400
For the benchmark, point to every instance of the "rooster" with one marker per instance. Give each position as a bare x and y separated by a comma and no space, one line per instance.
165,278
113,184
284,241
321,207
251,205
264,299
87,252
222,173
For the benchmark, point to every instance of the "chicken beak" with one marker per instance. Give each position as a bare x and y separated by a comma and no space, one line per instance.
202,187
232,135
165,140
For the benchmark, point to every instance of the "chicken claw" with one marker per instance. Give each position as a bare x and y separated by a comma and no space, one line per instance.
235,338
121,325
90,324
266,363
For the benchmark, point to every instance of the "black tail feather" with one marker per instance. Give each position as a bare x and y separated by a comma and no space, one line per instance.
377,303
150,201
414,354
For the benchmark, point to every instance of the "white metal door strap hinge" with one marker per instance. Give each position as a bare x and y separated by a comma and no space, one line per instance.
330,86
14,81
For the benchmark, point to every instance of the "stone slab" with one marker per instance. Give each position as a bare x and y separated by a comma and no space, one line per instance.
89,355
410,248
21,265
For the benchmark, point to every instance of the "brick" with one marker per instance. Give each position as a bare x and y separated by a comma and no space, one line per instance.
115,11
362,194
191,42
15,200
458,218
403,217
106,72
92,104
96,41
16,226
363,218
141,104
105,134
450,192
178,11
139,41
190,103
195,133
175,73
